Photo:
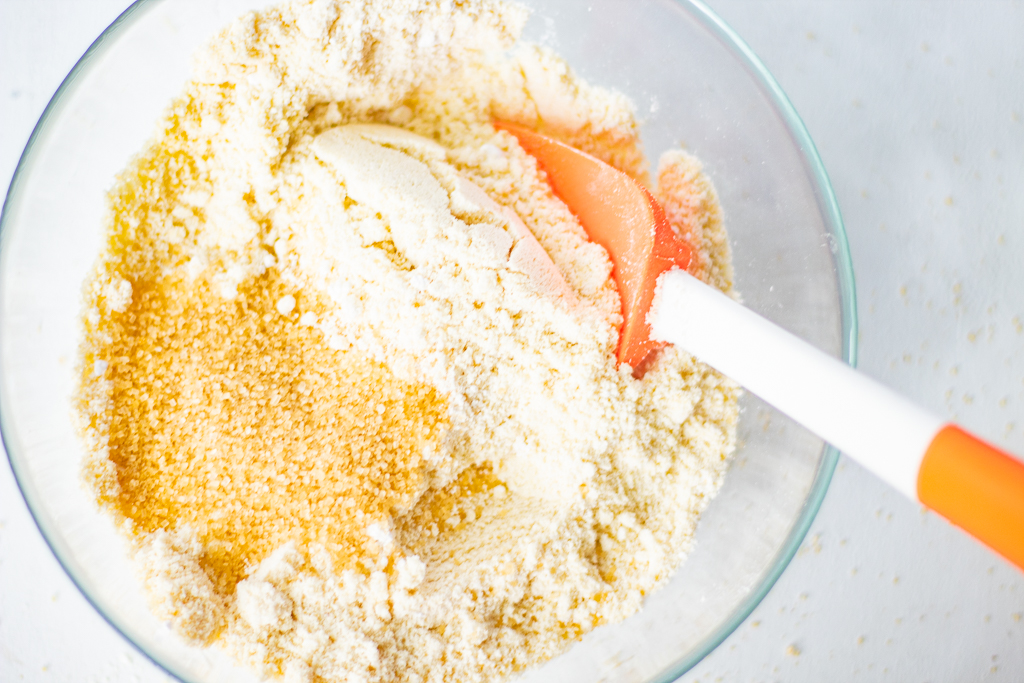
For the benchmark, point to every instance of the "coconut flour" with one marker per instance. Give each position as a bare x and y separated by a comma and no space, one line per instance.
349,379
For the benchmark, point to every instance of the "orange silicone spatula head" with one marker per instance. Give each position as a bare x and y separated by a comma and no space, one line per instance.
621,215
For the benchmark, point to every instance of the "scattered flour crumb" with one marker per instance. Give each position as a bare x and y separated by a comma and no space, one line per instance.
286,304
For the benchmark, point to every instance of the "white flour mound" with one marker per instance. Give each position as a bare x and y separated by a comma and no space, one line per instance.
350,145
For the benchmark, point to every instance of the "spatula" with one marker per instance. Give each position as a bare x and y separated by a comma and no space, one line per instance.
970,482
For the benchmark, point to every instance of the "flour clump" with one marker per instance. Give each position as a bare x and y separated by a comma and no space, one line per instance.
349,377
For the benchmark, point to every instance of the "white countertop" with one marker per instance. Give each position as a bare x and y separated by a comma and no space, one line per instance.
917,109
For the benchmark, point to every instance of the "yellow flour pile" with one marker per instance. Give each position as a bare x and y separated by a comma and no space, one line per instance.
349,377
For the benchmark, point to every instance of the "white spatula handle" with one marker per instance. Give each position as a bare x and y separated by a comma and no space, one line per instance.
869,422
975,485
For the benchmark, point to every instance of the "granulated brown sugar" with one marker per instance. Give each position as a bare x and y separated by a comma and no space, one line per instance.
349,375
233,420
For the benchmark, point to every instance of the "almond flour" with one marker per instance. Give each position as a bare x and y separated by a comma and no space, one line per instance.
348,381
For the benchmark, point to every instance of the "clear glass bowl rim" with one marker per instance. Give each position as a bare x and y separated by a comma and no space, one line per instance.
844,271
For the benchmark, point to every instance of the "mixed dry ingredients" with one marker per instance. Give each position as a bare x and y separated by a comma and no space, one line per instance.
349,380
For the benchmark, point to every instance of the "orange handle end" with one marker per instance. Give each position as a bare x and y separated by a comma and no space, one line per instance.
977,487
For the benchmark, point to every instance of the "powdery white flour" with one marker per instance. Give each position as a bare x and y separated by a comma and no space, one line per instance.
329,244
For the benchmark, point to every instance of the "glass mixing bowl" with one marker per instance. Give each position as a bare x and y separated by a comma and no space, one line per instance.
694,84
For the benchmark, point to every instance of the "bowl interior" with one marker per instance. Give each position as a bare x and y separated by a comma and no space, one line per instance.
694,84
